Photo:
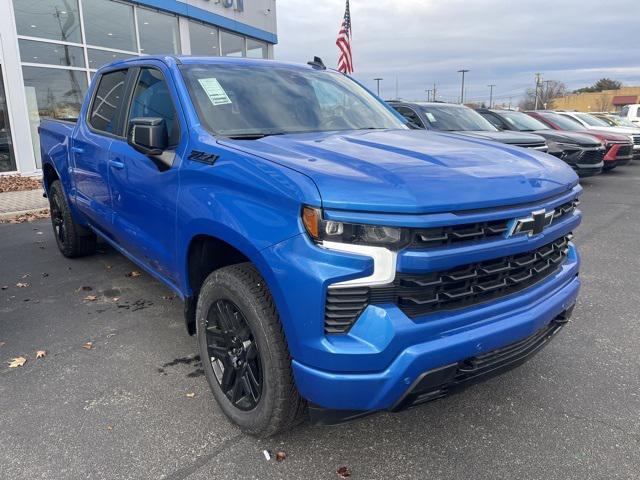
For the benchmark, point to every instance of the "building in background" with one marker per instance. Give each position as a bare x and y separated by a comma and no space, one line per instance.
605,101
49,50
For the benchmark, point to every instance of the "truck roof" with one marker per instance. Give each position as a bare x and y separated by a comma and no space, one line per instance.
195,60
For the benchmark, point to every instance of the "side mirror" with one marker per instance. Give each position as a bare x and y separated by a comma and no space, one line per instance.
148,135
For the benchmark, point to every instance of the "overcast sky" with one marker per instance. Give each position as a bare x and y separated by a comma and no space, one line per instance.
504,42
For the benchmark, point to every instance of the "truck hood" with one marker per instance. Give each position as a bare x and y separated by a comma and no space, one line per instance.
413,171
568,137
504,136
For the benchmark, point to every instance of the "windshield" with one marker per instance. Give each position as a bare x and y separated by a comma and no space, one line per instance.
241,100
591,120
621,122
565,123
522,121
450,118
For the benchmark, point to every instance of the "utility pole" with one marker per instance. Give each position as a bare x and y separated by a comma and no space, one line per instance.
491,94
538,76
434,92
378,80
463,71
510,102
397,96
428,95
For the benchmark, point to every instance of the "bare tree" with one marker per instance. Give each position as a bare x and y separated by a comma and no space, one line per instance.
603,103
549,90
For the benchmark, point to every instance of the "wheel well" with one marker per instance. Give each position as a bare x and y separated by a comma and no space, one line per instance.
49,175
206,254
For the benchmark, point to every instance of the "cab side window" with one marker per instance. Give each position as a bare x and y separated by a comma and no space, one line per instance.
410,115
151,98
107,102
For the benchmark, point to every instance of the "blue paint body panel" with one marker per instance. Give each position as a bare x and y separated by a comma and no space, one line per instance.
252,197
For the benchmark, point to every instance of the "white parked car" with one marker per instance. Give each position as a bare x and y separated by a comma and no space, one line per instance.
631,113
591,122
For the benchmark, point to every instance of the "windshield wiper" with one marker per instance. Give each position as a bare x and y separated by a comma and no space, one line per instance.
252,136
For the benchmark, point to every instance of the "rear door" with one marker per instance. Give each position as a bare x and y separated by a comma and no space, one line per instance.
143,188
90,146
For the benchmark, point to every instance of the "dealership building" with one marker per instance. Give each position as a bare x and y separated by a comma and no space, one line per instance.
49,50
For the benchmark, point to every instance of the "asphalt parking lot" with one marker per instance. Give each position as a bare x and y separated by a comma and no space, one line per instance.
120,410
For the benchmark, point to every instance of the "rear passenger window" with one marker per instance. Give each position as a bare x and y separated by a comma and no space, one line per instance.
108,101
151,98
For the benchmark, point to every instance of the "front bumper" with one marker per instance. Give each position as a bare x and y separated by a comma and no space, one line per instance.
379,390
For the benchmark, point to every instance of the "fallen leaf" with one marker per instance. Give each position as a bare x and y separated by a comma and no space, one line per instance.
16,183
26,217
280,456
109,427
109,267
343,472
17,362
22,285
85,288
2,344
87,345
191,395
90,298
133,274
41,354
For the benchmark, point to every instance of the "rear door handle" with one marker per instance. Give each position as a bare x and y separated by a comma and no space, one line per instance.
117,163
77,150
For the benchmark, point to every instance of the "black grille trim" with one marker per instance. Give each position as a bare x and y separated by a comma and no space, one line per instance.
454,234
447,290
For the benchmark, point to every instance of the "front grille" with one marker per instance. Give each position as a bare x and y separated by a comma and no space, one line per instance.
636,139
589,157
447,290
467,232
625,151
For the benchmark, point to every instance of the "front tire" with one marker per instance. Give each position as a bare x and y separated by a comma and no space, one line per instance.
244,352
73,240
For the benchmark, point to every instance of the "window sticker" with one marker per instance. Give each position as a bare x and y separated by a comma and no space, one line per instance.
214,90
430,117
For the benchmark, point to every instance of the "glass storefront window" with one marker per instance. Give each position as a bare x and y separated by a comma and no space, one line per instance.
98,58
51,53
256,49
52,19
58,93
232,44
7,160
204,39
109,24
159,32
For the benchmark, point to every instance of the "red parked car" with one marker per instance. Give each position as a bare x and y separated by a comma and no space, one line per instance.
618,148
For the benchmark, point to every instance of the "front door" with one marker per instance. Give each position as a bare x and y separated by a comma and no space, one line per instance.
145,190
7,159
90,149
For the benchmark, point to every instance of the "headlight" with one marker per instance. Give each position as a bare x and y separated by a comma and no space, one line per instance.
557,147
321,230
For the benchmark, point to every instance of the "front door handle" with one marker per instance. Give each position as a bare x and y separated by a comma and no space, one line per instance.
117,163
77,150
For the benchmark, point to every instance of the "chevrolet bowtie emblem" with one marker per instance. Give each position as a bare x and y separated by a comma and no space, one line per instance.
532,225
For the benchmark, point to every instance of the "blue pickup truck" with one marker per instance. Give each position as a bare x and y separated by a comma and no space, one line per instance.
332,261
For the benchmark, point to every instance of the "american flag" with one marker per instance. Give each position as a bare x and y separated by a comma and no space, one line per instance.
345,62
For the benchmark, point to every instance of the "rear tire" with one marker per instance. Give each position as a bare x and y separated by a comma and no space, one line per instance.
244,352
73,240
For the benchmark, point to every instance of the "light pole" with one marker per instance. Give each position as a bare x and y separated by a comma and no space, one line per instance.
491,94
378,80
463,71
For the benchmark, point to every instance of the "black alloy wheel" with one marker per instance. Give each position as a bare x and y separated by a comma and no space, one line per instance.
234,355
57,220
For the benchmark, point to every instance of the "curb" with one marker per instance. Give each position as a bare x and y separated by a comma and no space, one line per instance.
6,215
